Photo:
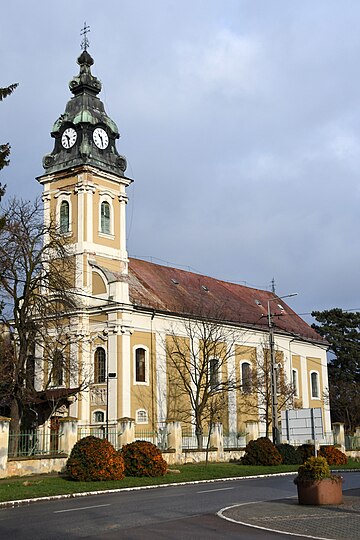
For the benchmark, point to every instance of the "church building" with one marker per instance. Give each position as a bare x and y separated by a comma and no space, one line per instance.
129,309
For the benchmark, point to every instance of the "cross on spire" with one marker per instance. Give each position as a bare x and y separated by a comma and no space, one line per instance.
85,42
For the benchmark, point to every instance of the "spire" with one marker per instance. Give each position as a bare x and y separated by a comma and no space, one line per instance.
85,134
85,81
85,42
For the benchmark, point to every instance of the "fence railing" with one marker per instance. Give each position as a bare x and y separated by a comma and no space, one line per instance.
158,437
234,440
33,443
352,442
100,432
190,442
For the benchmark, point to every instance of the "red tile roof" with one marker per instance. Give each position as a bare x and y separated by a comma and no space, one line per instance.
172,290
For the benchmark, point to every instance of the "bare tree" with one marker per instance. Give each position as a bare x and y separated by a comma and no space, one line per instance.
256,397
198,351
36,284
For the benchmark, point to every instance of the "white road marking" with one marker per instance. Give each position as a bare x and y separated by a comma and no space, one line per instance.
212,490
82,508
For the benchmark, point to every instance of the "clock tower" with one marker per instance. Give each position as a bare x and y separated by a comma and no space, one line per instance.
84,185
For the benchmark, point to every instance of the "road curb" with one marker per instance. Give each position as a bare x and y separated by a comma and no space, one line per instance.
20,502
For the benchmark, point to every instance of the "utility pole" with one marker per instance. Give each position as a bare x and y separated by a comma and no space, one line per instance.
109,376
274,400
273,373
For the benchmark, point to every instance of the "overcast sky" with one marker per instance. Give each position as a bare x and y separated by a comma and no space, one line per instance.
239,121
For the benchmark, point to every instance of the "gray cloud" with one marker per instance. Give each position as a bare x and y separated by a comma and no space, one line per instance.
239,119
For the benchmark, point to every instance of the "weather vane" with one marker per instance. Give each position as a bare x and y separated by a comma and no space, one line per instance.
85,42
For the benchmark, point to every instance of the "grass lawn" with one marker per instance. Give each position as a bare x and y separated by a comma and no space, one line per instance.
42,486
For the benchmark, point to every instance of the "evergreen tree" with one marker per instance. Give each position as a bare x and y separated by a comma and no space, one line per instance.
5,148
342,330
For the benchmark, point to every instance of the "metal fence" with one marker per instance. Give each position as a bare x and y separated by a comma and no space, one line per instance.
352,442
234,440
158,437
33,443
100,432
190,442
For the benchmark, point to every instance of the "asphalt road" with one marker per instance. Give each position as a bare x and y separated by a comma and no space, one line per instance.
176,512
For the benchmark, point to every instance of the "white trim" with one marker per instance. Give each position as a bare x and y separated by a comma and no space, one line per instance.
146,349
313,371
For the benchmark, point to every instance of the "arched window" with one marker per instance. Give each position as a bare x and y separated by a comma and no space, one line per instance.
99,365
99,417
140,365
141,416
246,377
214,373
64,217
314,379
57,368
105,218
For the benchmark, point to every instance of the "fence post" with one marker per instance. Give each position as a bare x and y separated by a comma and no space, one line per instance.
68,434
339,434
126,431
217,439
4,442
252,430
174,437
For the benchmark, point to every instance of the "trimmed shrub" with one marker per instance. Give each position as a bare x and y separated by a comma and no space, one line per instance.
306,451
261,452
314,468
94,459
142,458
290,455
333,455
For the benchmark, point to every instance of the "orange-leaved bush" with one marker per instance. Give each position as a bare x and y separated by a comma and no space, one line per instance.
142,458
94,459
333,455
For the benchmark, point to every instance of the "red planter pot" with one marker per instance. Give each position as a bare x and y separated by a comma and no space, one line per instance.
325,491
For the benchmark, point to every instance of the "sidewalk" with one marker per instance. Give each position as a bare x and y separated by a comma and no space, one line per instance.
286,515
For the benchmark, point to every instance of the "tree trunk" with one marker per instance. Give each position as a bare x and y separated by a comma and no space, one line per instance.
14,427
199,437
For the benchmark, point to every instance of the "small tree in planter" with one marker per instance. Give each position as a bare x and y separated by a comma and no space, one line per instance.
316,485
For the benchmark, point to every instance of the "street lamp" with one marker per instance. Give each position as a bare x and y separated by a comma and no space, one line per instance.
274,401
109,376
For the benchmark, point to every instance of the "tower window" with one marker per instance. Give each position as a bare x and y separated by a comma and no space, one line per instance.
140,365
64,217
105,218
99,366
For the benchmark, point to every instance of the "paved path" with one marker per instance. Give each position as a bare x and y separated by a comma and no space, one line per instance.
287,516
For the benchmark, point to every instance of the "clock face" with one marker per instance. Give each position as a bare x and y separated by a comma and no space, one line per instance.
100,138
69,137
